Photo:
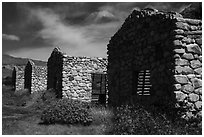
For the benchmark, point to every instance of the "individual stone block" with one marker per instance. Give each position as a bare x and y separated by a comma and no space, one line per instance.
181,79
179,69
195,64
74,72
183,70
193,21
179,51
187,88
193,28
181,62
198,104
188,56
177,56
177,43
193,97
187,70
198,91
196,82
181,25
198,71
179,37
78,78
178,31
180,96
177,86
198,41
194,48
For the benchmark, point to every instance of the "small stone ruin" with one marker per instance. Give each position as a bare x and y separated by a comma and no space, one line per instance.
35,77
18,77
31,77
73,77
156,58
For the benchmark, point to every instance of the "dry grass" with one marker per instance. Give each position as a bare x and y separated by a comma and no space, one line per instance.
25,120
31,126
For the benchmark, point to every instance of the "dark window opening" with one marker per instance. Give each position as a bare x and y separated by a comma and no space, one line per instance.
99,88
143,83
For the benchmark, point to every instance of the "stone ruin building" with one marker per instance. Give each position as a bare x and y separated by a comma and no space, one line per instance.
35,77
18,77
155,58
81,78
31,77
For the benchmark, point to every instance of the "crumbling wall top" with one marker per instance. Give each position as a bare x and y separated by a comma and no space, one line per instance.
57,51
30,62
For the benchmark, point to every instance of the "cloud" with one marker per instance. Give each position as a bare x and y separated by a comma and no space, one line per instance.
89,40
102,16
79,29
10,37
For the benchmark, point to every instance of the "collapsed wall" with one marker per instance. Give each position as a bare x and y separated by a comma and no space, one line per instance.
155,57
71,77
35,77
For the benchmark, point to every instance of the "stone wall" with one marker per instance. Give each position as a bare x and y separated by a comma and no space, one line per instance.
72,75
18,77
35,77
77,76
166,45
188,66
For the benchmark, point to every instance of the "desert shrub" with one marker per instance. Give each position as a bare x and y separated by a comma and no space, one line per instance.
49,95
141,121
22,96
101,114
7,81
66,111
40,99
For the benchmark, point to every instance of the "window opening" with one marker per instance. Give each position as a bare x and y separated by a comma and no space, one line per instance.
144,84
99,88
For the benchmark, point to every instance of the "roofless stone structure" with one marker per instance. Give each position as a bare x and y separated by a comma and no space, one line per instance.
18,78
35,77
155,58
81,78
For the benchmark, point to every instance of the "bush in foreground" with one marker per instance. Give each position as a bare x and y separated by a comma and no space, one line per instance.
137,120
66,111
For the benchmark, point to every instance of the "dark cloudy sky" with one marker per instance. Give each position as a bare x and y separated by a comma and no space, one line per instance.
80,29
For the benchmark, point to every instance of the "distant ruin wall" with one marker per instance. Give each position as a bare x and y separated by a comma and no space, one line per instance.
77,76
39,78
18,77
169,48
35,77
